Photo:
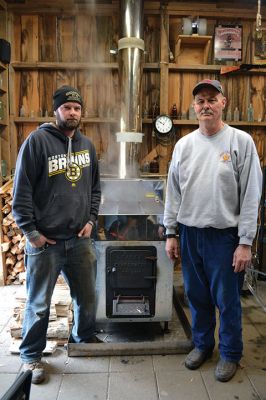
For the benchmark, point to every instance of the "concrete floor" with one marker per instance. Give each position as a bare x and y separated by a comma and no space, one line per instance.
141,377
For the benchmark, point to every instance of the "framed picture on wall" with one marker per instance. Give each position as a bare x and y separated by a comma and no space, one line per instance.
228,42
259,47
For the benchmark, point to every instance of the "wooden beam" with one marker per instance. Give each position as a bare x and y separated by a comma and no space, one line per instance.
164,61
61,66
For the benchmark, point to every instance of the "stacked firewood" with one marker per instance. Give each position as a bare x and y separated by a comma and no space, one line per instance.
12,239
60,318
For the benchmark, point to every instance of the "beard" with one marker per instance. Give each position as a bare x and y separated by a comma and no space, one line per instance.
68,124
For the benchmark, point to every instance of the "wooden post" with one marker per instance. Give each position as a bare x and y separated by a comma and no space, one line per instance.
164,61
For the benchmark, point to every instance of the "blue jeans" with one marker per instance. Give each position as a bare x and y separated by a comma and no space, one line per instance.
76,260
210,282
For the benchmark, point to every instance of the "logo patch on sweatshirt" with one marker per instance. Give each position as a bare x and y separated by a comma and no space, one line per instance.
225,157
73,172
57,164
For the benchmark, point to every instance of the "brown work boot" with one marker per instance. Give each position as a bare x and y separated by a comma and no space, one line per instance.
38,372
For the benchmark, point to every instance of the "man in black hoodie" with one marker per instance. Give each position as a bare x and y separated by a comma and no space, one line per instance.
56,202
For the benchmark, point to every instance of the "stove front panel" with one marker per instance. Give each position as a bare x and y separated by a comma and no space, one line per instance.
163,283
130,281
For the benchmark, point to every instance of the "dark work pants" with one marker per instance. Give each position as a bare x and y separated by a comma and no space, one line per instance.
210,282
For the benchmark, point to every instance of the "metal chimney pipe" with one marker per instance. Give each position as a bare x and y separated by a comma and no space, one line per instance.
130,52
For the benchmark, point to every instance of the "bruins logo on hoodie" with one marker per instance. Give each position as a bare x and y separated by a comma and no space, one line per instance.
58,165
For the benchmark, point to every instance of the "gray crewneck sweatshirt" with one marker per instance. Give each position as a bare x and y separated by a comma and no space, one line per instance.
214,181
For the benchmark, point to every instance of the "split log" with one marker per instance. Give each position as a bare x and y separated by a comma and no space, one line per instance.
12,238
6,209
5,246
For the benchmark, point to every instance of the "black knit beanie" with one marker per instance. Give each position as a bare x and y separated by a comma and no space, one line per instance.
64,94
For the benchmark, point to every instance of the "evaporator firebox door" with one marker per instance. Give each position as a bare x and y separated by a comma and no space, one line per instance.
130,281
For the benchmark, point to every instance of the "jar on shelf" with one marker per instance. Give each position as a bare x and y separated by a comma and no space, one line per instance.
154,167
146,166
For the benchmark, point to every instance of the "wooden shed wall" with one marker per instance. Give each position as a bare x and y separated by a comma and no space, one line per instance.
56,48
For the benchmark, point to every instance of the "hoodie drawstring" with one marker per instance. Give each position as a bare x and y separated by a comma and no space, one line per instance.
69,151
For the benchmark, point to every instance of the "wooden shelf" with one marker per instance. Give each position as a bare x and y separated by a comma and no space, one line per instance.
195,122
246,123
40,65
195,40
192,49
194,68
92,120
17,65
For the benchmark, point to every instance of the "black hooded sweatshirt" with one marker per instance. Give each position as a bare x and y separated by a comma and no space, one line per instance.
53,193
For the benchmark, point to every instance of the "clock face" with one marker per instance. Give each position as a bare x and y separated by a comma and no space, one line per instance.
163,124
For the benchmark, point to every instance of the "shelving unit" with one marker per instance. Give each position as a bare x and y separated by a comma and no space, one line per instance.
195,122
4,132
89,120
5,166
40,64
192,49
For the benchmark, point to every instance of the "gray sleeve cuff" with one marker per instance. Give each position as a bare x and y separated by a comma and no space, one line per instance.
245,240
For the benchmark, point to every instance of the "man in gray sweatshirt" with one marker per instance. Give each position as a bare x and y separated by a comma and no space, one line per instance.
213,194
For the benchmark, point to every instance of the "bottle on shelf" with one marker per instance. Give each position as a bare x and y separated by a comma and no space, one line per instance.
184,115
154,166
146,166
236,114
22,112
228,114
250,113
174,111
191,113
2,113
3,168
155,110
145,113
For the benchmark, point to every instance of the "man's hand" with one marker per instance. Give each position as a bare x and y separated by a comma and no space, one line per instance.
171,248
40,242
242,258
85,231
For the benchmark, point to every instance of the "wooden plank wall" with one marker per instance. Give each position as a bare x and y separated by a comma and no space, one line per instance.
87,38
